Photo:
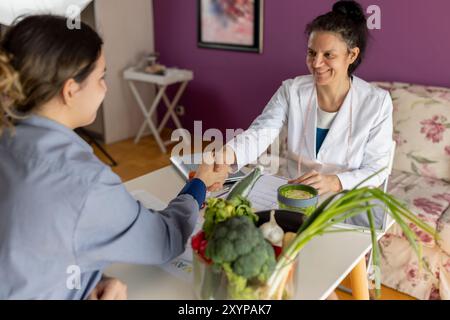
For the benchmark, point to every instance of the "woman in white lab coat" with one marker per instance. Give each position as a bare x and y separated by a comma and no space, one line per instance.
339,126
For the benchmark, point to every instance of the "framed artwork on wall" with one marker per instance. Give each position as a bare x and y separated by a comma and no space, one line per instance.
231,24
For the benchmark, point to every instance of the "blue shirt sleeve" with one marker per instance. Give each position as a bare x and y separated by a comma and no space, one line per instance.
197,189
114,227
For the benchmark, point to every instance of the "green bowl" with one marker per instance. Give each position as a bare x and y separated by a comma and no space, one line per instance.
295,204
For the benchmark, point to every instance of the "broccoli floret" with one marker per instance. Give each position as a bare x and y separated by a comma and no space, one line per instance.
240,244
258,263
219,210
237,286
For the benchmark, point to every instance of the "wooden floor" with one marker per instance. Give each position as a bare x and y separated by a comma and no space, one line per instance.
386,293
135,160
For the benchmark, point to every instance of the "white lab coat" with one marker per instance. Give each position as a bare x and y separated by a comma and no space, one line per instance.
368,148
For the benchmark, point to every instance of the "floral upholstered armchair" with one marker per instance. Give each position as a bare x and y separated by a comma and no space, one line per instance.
421,178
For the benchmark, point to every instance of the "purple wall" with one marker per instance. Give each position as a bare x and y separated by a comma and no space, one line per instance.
231,88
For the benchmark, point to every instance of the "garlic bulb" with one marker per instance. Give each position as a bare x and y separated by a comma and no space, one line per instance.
272,231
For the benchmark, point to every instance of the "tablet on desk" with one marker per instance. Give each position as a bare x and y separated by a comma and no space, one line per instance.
189,163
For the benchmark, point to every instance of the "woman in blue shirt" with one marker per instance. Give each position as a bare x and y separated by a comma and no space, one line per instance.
59,205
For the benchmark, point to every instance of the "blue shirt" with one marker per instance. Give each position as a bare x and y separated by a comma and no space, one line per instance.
321,134
61,207
324,122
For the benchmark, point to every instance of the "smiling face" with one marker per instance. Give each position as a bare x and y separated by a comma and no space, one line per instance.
329,57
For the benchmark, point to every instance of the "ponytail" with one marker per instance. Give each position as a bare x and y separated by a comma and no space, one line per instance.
10,93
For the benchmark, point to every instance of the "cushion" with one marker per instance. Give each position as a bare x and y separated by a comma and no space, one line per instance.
426,197
400,270
443,229
421,129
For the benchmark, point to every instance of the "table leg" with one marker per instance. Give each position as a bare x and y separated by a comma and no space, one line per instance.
148,114
166,116
144,111
171,107
359,282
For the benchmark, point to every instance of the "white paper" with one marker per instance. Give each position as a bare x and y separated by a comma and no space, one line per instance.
264,194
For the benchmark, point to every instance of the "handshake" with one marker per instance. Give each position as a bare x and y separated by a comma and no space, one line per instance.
215,167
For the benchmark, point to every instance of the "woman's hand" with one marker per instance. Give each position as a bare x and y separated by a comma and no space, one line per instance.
222,161
109,289
224,158
212,175
323,183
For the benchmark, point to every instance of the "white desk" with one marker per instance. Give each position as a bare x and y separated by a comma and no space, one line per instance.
323,263
172,76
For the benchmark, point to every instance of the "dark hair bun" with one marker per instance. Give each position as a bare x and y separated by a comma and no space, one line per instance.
351,9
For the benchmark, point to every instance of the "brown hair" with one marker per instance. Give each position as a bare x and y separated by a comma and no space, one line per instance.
348,20
37,56
10,92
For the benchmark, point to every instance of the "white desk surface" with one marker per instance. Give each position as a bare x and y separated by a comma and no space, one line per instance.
172,76
323,263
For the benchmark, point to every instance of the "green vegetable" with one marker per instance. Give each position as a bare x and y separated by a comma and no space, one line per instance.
237,286
219,210
239,247
243,187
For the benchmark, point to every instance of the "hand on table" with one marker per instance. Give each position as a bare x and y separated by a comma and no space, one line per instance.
109,289
323,183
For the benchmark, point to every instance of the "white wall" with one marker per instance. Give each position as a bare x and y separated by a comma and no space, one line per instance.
127,30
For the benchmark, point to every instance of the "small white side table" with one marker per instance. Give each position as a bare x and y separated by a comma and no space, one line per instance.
172,76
